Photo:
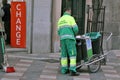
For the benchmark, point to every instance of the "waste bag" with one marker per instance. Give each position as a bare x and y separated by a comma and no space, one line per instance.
95,37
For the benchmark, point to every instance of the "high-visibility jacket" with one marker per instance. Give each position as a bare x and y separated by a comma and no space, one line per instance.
67,27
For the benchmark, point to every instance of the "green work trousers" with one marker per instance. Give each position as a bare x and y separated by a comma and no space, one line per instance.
2,50
68,51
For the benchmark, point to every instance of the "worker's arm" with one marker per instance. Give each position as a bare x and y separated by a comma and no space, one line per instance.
74,26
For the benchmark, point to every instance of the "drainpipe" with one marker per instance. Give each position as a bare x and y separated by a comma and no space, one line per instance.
32,19
52,35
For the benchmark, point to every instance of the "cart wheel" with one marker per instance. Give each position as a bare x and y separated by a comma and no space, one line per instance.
94,67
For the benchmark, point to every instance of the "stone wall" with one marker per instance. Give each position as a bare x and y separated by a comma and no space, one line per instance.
112,21
41,40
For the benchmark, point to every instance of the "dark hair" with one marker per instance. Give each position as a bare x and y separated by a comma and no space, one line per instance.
67,8
4,1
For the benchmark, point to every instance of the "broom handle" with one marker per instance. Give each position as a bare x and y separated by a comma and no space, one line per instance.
3,40
5,55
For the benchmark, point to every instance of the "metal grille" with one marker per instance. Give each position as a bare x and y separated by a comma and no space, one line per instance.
95,23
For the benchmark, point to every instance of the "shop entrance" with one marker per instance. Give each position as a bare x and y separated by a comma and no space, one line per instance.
15,25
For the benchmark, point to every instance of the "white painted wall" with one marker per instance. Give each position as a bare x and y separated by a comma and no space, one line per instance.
42,26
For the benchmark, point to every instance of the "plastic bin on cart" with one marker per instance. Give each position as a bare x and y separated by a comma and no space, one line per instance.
79,49
95,37
84,48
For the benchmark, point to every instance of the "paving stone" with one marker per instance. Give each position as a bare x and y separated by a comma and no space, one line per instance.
28,61
14,74
112,75
53,64
8,79
20,69
49,71
106,67
110,71
48,77
80,78
22,64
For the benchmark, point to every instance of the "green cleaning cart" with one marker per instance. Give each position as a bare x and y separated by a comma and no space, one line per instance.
88,50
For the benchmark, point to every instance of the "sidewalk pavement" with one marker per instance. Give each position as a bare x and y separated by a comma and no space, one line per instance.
47,67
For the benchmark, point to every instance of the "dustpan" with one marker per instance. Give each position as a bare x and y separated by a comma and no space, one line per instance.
6,67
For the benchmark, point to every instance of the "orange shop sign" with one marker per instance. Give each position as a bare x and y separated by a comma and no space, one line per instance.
18,24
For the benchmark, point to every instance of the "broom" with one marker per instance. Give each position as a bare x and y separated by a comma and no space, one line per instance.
6,67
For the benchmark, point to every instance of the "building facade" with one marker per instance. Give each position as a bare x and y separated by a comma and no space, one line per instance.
42,17
112,22
45,15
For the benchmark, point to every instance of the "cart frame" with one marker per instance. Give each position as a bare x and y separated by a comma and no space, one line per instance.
95,60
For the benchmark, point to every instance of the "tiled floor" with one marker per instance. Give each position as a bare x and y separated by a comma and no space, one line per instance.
37,69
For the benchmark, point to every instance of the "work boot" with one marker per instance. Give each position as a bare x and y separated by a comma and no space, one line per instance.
64,71
72,73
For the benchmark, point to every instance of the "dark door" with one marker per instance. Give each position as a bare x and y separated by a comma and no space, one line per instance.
78,11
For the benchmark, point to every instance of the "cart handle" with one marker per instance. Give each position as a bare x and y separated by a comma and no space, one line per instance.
110,35
106,40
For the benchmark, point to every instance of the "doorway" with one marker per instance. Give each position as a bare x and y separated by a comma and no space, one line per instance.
78,12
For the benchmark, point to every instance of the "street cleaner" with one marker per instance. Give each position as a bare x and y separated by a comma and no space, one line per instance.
67,29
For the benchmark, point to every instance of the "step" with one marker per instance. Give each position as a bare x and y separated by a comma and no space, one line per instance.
9,50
